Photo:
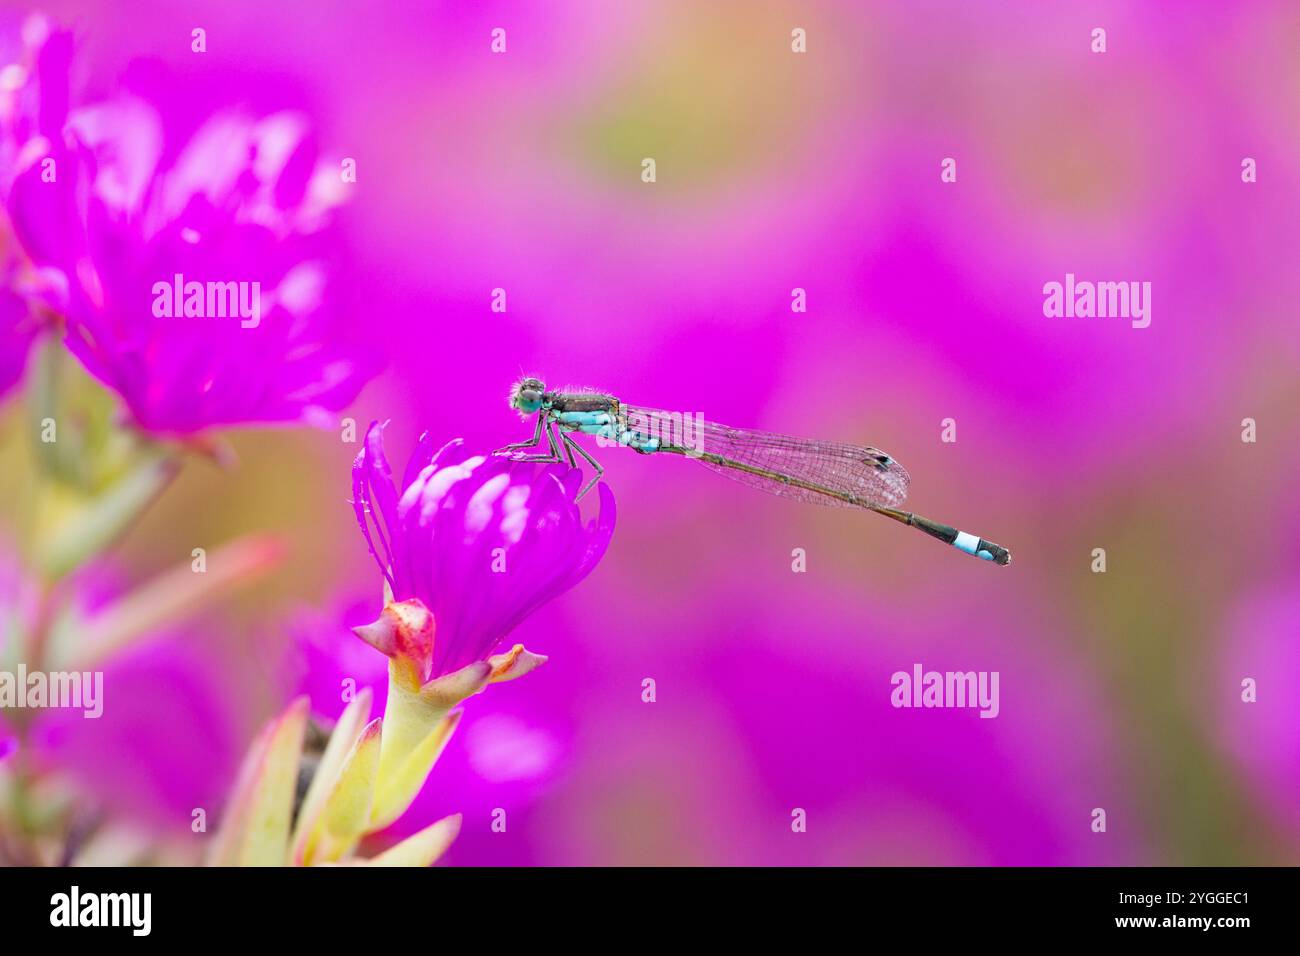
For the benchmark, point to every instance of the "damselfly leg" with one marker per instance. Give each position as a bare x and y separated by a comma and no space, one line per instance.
517,445
571,446
512,451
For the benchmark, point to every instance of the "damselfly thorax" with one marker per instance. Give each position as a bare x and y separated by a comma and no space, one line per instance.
820,472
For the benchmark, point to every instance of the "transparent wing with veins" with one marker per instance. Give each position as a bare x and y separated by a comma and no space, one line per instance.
861,472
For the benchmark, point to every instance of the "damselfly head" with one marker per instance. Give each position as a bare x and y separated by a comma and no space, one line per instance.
526,396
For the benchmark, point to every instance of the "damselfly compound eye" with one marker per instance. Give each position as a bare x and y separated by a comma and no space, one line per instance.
527,394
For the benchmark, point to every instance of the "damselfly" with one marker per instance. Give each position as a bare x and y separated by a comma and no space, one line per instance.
826,473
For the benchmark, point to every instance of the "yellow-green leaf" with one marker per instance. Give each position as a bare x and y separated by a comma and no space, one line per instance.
346,813
398,786
423,848
346,731
174,596
255,829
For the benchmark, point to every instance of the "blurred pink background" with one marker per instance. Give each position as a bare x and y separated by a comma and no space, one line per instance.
821,171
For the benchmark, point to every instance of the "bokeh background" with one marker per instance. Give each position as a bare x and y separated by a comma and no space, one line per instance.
775,170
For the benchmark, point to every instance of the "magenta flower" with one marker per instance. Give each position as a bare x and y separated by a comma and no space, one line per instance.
40,71
469,546
16,334
479,541
33,95
194,285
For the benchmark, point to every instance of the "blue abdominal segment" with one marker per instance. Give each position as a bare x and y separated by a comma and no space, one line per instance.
603,425
971,545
